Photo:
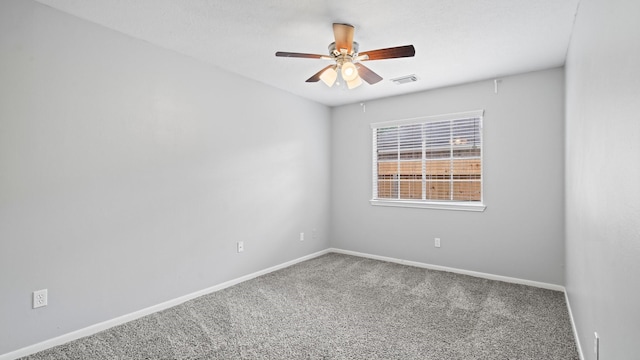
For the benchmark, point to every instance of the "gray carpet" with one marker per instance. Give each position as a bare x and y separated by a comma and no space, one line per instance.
344,307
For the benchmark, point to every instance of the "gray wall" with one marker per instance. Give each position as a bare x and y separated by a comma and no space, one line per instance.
521,232
603,177
128,173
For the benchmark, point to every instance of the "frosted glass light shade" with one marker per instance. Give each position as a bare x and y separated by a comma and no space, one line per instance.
354,83
349,71
329,76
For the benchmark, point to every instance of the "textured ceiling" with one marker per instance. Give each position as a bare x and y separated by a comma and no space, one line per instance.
456,41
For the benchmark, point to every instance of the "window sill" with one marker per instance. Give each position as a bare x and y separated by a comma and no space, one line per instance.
459,206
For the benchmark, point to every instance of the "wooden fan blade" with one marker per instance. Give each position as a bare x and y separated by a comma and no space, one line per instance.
367,74
389,53
343,34
316,76
299,55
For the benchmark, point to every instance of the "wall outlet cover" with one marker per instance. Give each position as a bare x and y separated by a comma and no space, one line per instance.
40,298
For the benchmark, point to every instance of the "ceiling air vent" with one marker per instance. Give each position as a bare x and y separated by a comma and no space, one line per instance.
405,79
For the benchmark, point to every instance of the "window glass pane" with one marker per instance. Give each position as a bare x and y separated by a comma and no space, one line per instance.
435,154
387,140
466,169
438,190
411,154
411,189
465,132
410,138
387,156
387,189
466,190
387,168
466,152
438,169
437,135
413,168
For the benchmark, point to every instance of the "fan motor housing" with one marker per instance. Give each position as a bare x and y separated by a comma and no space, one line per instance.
335,52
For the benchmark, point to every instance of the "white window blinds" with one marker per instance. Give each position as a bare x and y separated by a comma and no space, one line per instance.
426,160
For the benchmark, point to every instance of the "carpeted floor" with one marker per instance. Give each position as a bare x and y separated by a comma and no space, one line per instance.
344,307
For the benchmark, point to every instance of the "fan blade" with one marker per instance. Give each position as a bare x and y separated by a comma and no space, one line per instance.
343,34
316,76
389,53
299,55
367,74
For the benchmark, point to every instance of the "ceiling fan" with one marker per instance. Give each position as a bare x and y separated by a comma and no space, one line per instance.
344,51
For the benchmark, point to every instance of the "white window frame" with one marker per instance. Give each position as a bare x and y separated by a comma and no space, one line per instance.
429,203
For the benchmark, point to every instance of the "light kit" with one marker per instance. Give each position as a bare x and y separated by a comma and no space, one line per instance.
348,66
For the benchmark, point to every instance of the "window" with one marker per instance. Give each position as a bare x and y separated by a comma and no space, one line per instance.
433,162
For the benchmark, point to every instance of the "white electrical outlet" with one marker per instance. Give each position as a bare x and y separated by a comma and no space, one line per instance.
437,242
596,345
240,246
40,298
301,236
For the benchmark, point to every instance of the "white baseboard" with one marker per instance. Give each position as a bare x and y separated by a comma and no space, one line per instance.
573,326
453,270
93,329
